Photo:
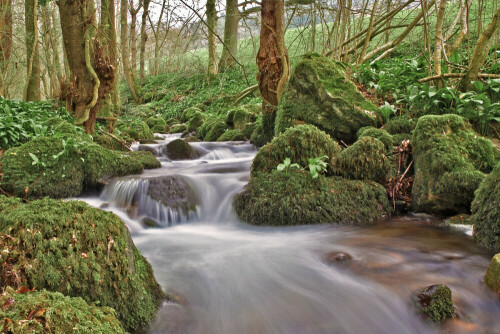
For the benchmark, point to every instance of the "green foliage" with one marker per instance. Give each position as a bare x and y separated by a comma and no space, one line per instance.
450,160
54,313
80,251
231,135
317,166
434,303
287,165
486,211
294,198
155,121
133,129
22,121
178,128
299,144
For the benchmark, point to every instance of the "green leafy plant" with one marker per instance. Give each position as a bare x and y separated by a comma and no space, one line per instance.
317,166
287,165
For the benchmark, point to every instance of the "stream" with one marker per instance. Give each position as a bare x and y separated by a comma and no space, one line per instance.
232,278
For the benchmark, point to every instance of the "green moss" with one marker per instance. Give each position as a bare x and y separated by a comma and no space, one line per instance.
155,121
299,143
188,113
180,150
80,251
109,143
450,160
379,134
492,277
434,303
160,129
242,115
178,128
54,313
136,129
486,211
248,130
231,135
258,138
195,121
319,93
216,130
294,198
62,171
400,124
172,121
366,159
399,138
205,127
146,159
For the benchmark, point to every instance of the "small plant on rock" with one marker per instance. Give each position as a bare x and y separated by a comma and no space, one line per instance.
287,165
317,166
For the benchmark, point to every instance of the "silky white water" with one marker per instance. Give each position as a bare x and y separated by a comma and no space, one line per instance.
232,278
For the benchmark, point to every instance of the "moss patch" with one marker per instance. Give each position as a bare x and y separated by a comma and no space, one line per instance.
450,159
188,113
248,130
319,93
434,303
135,130
294,198
231,135
400,124
52,312
215,130
366,159
299,143
486,211
380,134
80,251
195,121
178,128
154,121
180,150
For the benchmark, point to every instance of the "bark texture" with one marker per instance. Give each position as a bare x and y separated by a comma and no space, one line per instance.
5,40
32,89
212,47
230,35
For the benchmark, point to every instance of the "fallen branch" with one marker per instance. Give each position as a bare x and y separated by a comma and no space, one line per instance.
458,75
117,139
244,94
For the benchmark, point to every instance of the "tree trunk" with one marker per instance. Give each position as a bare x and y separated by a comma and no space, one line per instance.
438,43
5,40
273,62
212,47
369,31
464,26
480,53
52,88
32,89
133,38
125,52
144,39
230,35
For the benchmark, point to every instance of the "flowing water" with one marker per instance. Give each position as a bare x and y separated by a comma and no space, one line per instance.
231,278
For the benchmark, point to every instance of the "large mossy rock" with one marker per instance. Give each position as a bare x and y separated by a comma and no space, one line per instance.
299,143
80,251
450,162
366,159
380,134
134,130
195,121
319,93
179,149
156,121
295,198
240,116
486,211
231,135
173,192
64,166
434,303
492,277
53,313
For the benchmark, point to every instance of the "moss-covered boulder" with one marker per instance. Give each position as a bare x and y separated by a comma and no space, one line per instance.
231,135
25,312
154,121
178,128
450,162
258,137
64,167
380,134
215,130
109,143
486,211
80,251
135,130
366,159
179,149
188,113
319,93
400,124
195,121
399,138
299,143
492,277
434,303
295,198
248,130
172,121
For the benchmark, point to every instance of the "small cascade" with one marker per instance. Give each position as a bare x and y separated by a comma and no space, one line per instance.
132,195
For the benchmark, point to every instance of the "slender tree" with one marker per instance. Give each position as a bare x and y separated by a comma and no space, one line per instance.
32,88
125,51
133,35
273,62
144,39
5,40
110,53
438,42
212,47
227,58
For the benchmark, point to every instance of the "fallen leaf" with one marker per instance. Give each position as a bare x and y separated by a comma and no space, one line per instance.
23,290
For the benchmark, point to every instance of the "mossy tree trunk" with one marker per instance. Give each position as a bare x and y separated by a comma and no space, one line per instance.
133,36
144,39
273,62
32,88
5,40
480,53
212,48
125,51
230,35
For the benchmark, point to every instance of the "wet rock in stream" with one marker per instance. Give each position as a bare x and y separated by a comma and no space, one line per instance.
434,303
173,192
